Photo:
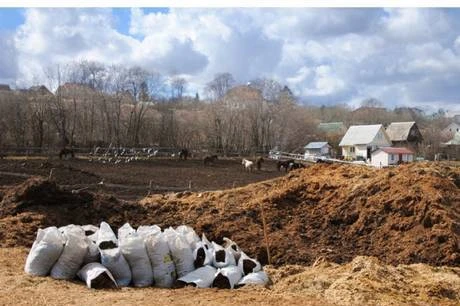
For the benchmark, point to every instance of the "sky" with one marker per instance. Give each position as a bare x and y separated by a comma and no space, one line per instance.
400,56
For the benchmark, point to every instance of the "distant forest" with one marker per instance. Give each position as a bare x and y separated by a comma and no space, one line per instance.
98,105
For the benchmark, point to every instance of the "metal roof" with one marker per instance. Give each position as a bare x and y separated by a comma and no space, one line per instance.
316,145
360,134
399,131
393,150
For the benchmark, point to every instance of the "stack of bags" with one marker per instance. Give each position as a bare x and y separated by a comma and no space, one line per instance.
143,257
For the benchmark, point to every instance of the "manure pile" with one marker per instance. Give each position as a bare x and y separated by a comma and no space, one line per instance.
403,215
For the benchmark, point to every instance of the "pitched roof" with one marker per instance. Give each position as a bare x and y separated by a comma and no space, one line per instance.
455,140
399,131
360,134
393,150
316,145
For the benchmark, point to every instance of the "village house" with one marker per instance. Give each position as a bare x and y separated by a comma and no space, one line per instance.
450,130
387,156
404,134
317,149
360,140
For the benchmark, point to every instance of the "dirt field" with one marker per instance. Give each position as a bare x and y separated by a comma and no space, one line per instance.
163,173
332,214
364,281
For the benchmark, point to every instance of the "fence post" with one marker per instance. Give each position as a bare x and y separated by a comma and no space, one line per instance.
190,185
50,176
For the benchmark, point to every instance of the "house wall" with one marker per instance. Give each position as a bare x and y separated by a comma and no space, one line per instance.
310,152
383,159
347,153
325,150
380,159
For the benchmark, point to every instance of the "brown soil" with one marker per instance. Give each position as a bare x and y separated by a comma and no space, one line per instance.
162,173
364,281
409,214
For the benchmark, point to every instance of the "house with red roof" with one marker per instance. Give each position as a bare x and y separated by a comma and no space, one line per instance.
387,156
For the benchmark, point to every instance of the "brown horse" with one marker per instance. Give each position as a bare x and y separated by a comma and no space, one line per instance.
259,162
209,160
66,153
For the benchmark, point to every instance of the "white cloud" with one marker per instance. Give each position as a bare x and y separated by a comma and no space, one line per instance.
399,56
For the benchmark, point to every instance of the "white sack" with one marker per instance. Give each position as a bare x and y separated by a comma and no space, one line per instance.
164,271
206,242
92,255
145,231
111,256
222,257
90,231
201,277
181,252
227,278
232,247
96,275
190,236
248,265
202,256
72,256
45,251
133,248
256,278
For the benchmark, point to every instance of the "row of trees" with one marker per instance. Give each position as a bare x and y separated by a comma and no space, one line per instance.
94,104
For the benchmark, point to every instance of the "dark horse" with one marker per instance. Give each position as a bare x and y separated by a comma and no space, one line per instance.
209,160
295,165
183,154
284,164
66,153
259,162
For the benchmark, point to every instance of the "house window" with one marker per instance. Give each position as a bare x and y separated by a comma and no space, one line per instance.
392,157
352,149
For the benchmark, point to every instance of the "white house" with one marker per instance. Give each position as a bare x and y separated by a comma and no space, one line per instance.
360,140
317,149
450,130
386,156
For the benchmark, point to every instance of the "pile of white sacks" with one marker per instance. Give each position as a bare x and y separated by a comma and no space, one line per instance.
143,257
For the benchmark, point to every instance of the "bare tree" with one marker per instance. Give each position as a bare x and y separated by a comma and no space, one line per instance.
178,87
219,86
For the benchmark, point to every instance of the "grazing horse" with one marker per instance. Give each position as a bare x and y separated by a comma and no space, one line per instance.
248,164
66,153
259,162
209,160
284,164
183,154
295,165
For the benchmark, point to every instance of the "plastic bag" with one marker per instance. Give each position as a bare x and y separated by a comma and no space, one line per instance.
222,257
202,256
90,231
227,278
145,231
111,256
189,234
97,276
181,252
133,248
71,259
206,242
232,247
256,278
164,270
201,277
92,255
248,265
45,251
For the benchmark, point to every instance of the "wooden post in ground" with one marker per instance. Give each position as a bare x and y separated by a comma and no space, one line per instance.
50,176
264,224
190,185
150,188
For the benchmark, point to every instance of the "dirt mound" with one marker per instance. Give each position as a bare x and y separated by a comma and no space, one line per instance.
408,214
38,203
367,281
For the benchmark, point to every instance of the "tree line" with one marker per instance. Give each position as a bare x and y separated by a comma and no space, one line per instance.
87,104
